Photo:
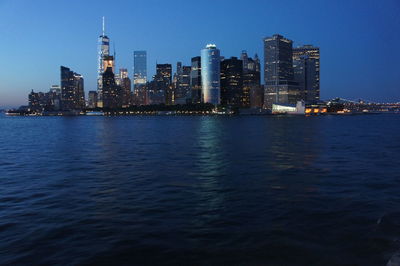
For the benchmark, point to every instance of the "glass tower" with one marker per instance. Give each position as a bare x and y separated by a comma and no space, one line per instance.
139,68
210,74
103,52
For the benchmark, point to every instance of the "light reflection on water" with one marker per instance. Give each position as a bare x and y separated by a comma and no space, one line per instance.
210,190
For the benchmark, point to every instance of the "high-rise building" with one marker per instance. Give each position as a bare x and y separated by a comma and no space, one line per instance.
280,86
306,64
125,83
163,84
210,74
112,93
195,79
92,99
139,68
252,89
232,82
72,90
182,92
103,52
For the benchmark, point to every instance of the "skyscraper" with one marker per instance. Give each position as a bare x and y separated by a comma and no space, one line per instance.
103,52
125,83
92,99
280,86
160,89
252,89
164,81
72,90
210,74
195,79
306,64
182,93
139,68
232,82
112,93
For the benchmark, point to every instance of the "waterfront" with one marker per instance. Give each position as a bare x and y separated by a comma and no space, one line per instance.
207,190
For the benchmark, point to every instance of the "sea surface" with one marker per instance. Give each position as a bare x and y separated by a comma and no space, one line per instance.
199,190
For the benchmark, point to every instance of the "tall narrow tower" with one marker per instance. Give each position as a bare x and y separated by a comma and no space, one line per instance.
103,52
210,74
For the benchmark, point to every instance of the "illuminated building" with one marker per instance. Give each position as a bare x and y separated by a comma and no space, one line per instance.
164,82
160,89
195,79
103,52
306,64
139,68
182,92
252,89
210,74
92,99
112,93
295,109
125,83
232,83
108,61
72,90
280,86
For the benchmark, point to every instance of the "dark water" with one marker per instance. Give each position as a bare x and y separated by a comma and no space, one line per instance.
200,190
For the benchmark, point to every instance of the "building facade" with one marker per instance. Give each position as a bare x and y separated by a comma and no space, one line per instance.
182,92
139,68
232,93
280,86
125,83
210,74
195,79
112,93
306,64
72,90
103,52
252,89
92,99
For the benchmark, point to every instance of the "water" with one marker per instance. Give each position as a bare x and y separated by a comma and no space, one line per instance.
200,190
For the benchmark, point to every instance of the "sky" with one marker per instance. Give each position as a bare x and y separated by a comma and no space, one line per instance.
359,39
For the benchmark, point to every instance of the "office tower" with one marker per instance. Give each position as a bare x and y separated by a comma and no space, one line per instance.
195,79
306,64
103,52
112,93
280,86
162,86
182,92
232,82
72,90
125,83
140,95
252,89
210,74
92,99
184,85
139,68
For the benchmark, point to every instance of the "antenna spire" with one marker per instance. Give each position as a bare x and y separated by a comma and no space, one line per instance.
104,27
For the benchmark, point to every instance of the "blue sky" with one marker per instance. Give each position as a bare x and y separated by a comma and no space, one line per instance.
359,39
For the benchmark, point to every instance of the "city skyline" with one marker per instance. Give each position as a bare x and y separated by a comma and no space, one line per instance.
345,72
